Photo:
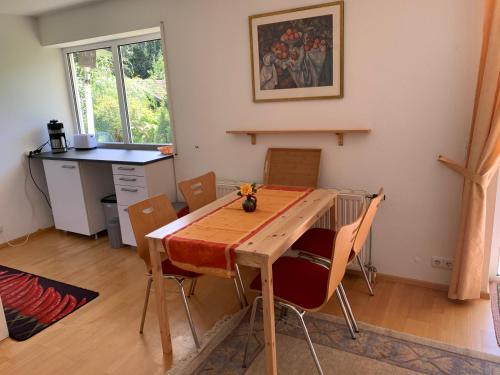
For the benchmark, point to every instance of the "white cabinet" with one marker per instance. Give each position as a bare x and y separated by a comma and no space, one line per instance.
75,191
135,183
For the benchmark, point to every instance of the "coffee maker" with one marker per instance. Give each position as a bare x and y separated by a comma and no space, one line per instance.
57,137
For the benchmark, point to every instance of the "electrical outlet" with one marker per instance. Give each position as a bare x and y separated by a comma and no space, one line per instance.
436,262
448,263
441,262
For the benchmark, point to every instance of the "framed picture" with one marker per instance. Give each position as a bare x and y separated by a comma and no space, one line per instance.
298,53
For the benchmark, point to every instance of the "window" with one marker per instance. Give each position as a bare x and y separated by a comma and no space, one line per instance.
119,91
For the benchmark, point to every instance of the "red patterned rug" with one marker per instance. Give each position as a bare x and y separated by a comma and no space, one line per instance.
32,303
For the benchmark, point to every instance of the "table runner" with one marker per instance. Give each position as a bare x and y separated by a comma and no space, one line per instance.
208,244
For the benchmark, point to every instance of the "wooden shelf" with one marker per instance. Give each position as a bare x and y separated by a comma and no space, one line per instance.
338,132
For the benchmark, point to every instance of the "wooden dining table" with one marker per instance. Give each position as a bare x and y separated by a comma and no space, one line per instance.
259,251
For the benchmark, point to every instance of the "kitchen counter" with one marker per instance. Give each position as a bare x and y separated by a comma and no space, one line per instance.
107,155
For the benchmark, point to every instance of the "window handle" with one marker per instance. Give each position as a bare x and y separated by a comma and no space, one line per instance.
130,190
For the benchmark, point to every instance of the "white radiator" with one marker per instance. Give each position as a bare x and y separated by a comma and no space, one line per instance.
225,187
349,206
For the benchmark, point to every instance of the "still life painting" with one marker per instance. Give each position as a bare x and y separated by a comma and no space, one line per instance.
297,53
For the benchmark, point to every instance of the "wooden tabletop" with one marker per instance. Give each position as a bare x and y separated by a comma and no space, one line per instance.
278,234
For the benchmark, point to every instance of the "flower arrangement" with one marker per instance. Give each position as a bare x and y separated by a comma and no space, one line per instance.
248,191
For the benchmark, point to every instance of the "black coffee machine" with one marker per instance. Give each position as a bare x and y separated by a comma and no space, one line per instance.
57,137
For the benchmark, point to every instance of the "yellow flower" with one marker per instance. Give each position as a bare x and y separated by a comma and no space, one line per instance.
246,189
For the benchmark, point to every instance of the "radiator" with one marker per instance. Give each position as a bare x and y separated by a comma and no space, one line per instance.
225,187
349,206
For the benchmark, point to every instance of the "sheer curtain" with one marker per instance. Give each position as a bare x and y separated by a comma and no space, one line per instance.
483,159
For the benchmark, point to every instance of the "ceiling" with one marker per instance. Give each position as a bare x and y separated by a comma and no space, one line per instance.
37,7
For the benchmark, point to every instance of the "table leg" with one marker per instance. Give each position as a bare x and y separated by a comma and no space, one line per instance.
155,250
266,273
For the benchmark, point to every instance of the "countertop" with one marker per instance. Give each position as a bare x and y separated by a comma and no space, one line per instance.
107,155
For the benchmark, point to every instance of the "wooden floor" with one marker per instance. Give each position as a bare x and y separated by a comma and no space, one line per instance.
103,336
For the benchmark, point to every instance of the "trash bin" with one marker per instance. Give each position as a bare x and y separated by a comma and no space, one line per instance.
112,221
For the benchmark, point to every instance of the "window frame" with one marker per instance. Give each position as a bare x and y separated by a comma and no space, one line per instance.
114,45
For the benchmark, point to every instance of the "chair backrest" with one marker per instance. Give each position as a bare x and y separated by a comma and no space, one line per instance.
292,167
147,216
199,191
367,221
344,240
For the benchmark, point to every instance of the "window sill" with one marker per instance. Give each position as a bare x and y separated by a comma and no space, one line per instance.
132,146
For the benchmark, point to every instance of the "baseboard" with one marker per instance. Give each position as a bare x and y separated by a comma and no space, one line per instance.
415,282
485,295
38,232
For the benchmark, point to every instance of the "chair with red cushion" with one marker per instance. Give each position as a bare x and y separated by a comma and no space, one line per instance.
317,242
301,285
145,217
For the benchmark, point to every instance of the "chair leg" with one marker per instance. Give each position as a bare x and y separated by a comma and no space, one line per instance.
146,301
238,294
192,287
348,308
250,331
240,281
367,280
306,332
180,282
346,316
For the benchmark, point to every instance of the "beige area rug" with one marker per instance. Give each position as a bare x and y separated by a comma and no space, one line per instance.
377,351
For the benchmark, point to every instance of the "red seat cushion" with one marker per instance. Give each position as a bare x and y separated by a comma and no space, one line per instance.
298,281
183,212
169,269
316,241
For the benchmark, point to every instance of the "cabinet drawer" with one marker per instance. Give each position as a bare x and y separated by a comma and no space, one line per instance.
129,180
125,226
129,170
127,195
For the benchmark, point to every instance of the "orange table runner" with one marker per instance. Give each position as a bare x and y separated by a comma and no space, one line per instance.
208,244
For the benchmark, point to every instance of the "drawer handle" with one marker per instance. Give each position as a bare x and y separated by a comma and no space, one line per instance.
127,179
126,168
125,209
68,166
130,190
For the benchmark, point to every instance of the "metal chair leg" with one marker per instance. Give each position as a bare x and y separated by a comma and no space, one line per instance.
348,308
250,331
192,287
367,280
346,316
240,281
146,300
188,312
306,332
237,288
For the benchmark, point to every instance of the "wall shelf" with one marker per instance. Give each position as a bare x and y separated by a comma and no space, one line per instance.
338,132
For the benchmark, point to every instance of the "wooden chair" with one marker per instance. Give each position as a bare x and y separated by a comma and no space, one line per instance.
301,285
292,167
145,217
317,242
199,192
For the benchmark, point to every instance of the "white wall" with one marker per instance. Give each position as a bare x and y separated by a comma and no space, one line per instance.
32,91
410,73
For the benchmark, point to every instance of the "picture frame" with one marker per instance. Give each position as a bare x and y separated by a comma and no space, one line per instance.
298,54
